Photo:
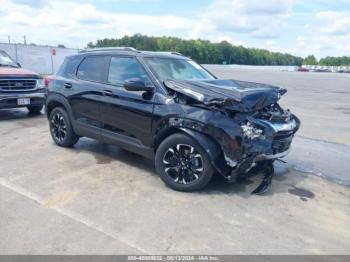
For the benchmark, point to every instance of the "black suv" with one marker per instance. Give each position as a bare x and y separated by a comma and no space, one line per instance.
166,107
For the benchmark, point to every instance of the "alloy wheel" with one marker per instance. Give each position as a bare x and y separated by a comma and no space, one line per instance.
183,164
58,127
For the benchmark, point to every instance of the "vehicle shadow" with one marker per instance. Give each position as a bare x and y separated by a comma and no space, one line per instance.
17,114
283,180
105,154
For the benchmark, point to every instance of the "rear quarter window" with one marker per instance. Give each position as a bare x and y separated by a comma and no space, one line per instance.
92,68
69,65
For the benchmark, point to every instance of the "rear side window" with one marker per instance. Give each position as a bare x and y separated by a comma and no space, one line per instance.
125,68
92,69
69,65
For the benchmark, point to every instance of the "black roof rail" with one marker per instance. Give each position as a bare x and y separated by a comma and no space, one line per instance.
170,53
102,49
177,53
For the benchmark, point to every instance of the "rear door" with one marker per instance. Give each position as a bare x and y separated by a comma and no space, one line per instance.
126,115
86,94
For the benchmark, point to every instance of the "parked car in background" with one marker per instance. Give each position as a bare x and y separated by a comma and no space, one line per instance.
303,69
343,69
20,87
167,107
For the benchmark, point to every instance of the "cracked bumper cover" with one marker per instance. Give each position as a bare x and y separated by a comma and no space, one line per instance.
275,144
262,157
276,141
282,133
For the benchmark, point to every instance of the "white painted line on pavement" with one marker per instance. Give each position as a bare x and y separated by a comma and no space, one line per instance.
73,215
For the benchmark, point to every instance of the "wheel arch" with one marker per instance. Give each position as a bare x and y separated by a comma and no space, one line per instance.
210,146
56,100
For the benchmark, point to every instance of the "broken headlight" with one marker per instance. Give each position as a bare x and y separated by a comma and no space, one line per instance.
252,132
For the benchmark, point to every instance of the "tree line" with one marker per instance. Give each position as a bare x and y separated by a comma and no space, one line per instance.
327,61
203,51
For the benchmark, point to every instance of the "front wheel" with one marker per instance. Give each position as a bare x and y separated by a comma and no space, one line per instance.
61,129
183,164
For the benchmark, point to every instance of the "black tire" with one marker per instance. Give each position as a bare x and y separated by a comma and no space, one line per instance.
192,173
61,128
35,109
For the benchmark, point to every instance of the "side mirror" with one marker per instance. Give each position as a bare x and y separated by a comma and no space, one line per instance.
137,84
19,65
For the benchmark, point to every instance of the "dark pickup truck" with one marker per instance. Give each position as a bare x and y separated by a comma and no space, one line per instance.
20,87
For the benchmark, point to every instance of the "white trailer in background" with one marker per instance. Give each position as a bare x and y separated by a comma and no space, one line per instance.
334,69
44,60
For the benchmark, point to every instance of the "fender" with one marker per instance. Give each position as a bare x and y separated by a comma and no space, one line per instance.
55,97
212,148
58,98
208,134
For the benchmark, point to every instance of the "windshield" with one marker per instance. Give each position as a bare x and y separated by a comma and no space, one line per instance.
5,60
176,69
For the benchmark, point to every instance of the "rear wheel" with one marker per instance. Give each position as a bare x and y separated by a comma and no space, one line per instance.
61,129
183,164
35,109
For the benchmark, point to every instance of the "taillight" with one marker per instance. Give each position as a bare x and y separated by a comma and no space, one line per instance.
47,80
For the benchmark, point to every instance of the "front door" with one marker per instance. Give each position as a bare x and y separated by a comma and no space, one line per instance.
126,114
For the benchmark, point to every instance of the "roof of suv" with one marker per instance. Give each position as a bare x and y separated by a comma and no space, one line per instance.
131,51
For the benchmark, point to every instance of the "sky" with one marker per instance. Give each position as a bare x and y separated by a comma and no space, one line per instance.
299,27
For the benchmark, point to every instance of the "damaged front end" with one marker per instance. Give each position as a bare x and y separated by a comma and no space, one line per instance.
267,136
247,127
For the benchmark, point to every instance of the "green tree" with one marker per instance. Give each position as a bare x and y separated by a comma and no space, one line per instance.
335,61
310,60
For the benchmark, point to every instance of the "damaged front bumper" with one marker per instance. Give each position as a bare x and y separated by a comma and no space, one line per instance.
263,157
261,148
280,139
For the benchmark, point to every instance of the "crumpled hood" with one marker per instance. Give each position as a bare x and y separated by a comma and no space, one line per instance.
231,94
8,72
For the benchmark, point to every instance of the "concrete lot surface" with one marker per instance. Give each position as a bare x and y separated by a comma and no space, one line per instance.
99,199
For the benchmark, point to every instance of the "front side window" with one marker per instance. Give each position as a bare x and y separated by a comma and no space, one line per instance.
92,69
177,69
122,69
